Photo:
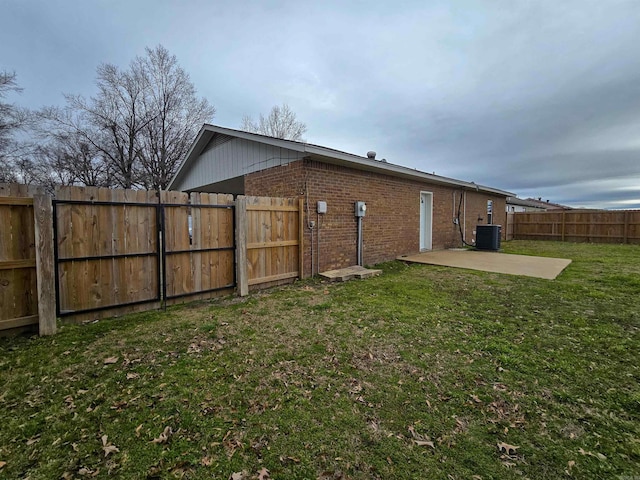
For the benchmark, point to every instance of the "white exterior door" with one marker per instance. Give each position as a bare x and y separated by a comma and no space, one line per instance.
426,214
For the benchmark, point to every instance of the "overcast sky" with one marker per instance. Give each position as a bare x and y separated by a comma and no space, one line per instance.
541,98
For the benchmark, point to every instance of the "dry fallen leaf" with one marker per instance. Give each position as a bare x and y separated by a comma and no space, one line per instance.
108,447
420,440
138,429
86,472
181,469
597,455
2,464
424,443
285,460
238,475
110,360
506,448
206,461
263,474
131,376
164,436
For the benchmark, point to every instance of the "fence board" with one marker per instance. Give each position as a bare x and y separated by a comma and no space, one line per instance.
608,226
226,234
45,266
242,263
179,273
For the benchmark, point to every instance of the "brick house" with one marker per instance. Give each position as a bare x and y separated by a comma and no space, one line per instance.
407,211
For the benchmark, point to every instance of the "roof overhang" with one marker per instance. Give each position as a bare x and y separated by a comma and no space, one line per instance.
326,155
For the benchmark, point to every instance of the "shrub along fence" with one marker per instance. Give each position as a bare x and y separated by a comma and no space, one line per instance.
109,252
610,226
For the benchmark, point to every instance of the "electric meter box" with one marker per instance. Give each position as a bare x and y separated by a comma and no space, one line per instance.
361,209
322,207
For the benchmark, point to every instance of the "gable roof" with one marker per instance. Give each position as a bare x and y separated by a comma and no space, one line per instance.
322,154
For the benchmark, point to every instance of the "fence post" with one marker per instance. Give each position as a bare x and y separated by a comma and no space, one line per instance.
301,238
43,219
241,245
626,227
563,212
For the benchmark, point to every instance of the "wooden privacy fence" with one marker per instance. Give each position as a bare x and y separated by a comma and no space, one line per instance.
26,260
110,252
610,226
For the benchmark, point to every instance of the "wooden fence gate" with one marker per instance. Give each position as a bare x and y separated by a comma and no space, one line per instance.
117,249
270,240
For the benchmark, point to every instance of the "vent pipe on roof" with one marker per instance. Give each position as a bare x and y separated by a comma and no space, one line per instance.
371,155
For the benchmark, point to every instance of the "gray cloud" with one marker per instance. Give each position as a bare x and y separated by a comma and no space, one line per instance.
541,98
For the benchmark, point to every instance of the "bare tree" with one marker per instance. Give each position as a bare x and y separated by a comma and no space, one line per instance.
280,123
72,161
140,123
30,171
7,172
177,112
12,119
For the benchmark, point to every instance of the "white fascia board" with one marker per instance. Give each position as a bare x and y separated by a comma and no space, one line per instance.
256,137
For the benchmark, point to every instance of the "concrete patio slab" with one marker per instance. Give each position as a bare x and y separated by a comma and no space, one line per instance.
539,267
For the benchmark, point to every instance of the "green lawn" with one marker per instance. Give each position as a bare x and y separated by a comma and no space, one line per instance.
423,372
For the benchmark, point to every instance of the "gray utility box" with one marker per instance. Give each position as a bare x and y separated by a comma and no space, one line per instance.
488,237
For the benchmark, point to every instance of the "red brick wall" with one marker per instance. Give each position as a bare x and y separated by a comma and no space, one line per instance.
476,212
392,222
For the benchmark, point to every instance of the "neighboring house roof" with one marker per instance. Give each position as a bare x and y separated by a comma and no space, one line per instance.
524,203
547,205
315,152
